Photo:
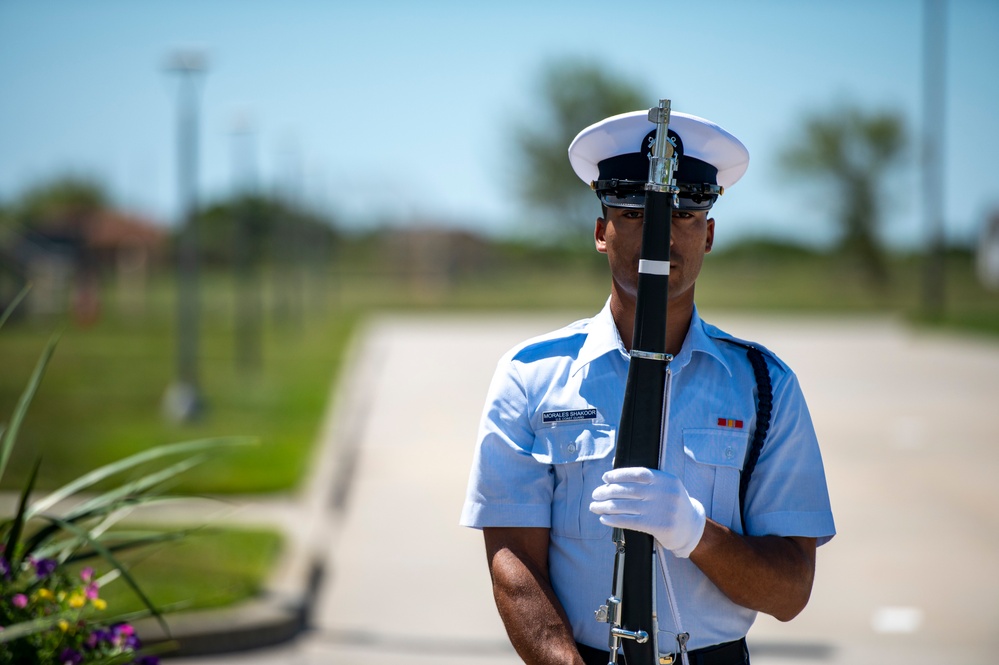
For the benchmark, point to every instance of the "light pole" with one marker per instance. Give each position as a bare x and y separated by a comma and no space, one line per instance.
934,125
183,401
246,249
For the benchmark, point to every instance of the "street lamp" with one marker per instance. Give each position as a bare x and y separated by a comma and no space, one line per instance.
183,401
934,150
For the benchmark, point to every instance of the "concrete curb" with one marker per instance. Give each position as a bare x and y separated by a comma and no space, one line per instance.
310,524
262,622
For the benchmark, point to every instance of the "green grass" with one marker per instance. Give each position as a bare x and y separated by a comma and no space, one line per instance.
210,568
760,275
775,280
101,399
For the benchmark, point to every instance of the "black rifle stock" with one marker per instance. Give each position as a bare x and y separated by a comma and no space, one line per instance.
631,607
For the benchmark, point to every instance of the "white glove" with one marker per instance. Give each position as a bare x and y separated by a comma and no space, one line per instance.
653,502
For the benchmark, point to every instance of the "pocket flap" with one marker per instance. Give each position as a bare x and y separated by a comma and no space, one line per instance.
716,447
564,444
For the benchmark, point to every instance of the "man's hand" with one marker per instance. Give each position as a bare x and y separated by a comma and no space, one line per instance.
653,502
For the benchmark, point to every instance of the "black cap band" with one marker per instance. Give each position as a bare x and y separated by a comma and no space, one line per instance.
635,165
631,194
629,172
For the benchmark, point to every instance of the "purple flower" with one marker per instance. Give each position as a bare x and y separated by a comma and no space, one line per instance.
98,637
70,657
124,635
4,568
20,601
44,567
146,660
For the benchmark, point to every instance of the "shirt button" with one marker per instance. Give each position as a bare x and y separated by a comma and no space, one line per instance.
729,453
571,448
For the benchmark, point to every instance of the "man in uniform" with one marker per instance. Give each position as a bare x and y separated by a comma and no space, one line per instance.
542,487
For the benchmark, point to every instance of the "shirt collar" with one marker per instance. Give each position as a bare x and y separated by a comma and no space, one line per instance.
602,337
698,340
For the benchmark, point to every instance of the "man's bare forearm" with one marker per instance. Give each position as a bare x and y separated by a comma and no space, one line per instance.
535,621
769,574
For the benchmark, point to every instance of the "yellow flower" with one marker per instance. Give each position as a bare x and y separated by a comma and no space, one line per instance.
45,594
77,600
100,603
64,625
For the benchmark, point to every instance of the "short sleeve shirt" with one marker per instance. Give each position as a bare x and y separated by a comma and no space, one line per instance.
547,435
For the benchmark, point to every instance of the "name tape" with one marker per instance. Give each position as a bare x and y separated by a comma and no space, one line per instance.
566,416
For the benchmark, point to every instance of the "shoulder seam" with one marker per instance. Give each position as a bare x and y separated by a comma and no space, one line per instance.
780,365
547,339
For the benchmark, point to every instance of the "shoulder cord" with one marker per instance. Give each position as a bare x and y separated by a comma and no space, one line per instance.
764,409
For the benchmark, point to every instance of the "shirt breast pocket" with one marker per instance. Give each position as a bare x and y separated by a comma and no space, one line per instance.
579,455
712,472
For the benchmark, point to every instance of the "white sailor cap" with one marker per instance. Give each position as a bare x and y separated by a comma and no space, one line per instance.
612,157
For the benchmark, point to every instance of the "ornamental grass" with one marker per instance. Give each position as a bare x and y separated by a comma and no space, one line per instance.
52,547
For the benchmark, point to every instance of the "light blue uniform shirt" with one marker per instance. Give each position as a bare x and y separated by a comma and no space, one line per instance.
547,435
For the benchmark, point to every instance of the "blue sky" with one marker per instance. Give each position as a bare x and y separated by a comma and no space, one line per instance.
403,109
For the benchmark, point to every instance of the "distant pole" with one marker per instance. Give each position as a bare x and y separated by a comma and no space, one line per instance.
183,400
246,250
289,242
934,125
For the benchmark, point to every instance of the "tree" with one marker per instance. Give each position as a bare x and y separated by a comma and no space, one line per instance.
852,154
66,200
250,228
574,95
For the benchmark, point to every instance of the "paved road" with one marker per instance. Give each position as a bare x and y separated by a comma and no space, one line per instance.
908,424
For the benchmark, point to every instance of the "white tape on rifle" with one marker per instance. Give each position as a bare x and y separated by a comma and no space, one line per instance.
649,267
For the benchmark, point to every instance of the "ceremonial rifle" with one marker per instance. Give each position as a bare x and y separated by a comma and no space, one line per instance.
630,610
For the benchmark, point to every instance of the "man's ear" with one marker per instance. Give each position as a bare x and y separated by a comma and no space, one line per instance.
710,236
599,239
